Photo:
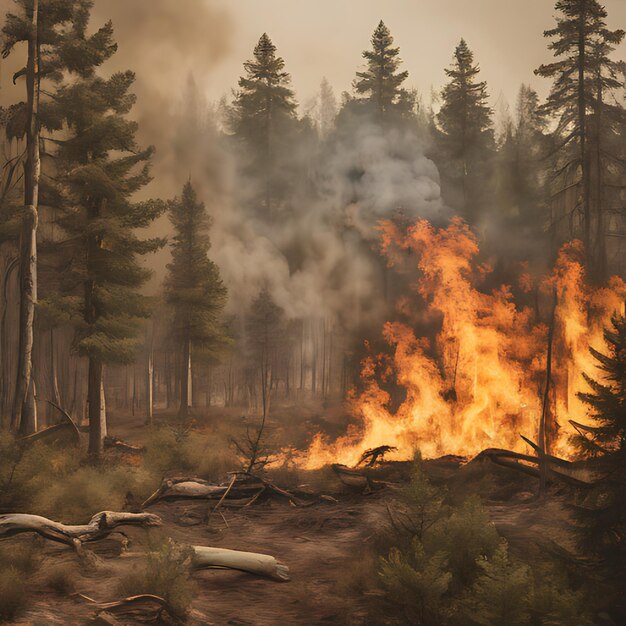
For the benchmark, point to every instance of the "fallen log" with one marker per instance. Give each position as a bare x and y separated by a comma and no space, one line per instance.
66,432
123,446
244,487
221,558
101,525
142,608
354,478
574,474
196,488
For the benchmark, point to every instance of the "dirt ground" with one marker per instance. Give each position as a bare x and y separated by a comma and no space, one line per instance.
323,545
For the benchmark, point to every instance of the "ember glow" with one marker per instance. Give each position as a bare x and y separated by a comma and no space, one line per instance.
476,380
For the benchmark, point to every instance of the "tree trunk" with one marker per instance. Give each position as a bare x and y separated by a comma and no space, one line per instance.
185,364
582,122
23,417
150,385
95,395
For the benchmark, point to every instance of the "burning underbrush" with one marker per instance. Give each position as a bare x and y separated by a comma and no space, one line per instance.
466,362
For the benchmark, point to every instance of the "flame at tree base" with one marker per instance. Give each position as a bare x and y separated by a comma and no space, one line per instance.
479,382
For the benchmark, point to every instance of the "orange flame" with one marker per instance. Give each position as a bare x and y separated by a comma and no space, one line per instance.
480,383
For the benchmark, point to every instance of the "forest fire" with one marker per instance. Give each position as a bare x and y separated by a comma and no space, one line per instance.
478,383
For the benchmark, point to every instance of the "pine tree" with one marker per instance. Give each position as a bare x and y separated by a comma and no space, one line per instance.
381,81
604,523
520,175
263,116
54,31
584,77
264,326
193,287
607,399
500,595
100,167
466,133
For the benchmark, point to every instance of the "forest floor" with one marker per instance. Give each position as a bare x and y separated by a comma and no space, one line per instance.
326,547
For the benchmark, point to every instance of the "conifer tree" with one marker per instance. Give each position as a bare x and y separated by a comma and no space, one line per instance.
263,115
607,399
500,595
588,122
54,31
100,168
604,525
193,287
466,129
381,82
264,326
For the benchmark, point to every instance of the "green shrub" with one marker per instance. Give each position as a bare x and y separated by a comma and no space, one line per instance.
417,583
501,594
12,593
26,470
165,574
171,450
92,489
466,536
553,602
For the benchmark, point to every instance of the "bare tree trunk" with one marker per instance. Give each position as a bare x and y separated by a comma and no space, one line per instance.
185,364
23,417
94,399
150,385
543,443
54,379
582,122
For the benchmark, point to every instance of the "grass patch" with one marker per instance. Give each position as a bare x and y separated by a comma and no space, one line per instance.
61,579
204,454
12,593
165,574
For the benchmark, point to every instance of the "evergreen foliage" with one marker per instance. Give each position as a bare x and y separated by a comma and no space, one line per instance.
607,398
193,287
466,130
263,120
100,167
381,82
590,121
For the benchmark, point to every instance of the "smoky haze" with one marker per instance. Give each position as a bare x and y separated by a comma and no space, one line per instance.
188,55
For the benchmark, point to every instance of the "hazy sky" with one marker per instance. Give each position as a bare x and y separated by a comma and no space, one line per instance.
325,38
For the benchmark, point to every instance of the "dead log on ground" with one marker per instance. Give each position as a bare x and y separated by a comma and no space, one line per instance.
118,444
220,558
245,489
573,474
143,608
65,433
355,478
101,525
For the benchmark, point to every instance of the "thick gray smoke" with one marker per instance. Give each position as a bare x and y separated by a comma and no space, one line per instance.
365,177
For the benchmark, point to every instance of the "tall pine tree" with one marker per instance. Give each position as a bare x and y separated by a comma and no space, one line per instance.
263,118
589,123
381,82
100,168
466,132
54,31
193,286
